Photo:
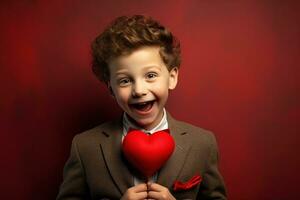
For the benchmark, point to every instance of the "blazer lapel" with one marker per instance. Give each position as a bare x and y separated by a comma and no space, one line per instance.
111,149
170,171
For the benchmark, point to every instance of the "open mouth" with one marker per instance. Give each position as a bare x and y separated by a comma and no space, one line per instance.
143,106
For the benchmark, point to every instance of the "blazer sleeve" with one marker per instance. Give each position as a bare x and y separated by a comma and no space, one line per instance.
74,186
213,186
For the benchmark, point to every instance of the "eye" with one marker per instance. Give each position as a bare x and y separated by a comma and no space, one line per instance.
151,75
124,81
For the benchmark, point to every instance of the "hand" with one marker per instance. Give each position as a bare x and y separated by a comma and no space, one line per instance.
158,192
137,192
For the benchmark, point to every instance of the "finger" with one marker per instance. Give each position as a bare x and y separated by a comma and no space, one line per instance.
156,187
154,195
140,195
140,188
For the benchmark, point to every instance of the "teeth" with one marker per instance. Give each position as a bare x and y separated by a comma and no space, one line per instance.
144,103
143,106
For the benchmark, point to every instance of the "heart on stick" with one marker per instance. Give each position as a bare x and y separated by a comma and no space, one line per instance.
148,153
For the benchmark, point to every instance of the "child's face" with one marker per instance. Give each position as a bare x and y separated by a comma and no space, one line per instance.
140,83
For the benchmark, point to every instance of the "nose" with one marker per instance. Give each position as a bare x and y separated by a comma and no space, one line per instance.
139,89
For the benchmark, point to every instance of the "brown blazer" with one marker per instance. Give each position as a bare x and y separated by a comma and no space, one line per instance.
96,168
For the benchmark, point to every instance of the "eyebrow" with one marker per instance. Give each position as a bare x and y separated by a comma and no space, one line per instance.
152,66
124,71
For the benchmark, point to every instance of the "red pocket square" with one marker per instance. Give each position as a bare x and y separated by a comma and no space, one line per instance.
179,186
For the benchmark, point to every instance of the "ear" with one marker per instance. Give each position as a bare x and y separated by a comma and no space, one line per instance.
110,89
173,78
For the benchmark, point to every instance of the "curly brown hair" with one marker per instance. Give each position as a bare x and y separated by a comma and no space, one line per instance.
126,34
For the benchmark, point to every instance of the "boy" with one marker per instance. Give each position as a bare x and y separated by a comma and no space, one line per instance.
138,59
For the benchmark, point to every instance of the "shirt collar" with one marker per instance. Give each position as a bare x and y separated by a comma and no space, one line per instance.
163,124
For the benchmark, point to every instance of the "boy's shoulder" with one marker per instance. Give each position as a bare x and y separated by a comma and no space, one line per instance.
194,133
186,127
100,132
193,128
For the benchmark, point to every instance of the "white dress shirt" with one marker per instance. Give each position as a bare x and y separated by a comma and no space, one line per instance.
162,125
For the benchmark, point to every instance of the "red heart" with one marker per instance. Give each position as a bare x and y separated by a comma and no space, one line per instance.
148,153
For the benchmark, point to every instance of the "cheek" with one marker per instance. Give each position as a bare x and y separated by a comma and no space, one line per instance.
161,90
122,95
162,86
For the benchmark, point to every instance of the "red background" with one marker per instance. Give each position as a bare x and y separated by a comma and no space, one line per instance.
239,78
